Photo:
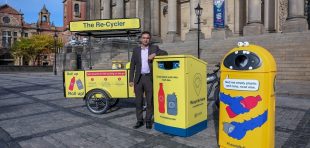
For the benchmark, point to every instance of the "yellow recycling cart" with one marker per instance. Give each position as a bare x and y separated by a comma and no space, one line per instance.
180,103
247,98
101,89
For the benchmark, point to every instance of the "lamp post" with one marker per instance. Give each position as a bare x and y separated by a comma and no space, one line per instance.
55,40
198,11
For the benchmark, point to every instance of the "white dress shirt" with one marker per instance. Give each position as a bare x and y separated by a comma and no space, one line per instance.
145,69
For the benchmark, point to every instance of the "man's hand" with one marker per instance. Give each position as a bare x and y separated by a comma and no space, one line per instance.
131,84
151,57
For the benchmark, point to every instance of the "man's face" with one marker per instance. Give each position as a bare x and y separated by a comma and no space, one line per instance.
145,39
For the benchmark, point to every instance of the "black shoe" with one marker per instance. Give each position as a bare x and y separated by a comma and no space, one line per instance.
138,125
148,125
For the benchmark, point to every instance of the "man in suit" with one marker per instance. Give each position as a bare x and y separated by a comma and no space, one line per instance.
141,77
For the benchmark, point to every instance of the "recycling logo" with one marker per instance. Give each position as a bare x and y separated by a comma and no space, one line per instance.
197,83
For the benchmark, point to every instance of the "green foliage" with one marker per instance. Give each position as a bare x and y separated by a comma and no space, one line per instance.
34,46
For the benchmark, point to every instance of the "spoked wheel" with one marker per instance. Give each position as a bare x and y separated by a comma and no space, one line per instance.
113,102
97,101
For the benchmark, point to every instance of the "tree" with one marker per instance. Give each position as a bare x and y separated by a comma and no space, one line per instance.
20,48
35,46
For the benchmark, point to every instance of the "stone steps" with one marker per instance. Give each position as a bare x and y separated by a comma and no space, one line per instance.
291,52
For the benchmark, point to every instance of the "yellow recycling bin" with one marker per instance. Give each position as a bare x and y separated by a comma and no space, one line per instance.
247,98
180,103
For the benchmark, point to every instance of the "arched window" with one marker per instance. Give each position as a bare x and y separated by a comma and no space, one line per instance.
76,8
44,19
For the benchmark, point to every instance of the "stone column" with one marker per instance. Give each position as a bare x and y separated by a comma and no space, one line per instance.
269,15
106,13
140,12
132,11
296,21
192,34
97,9
147,15
155,19
90,7
172,21
254,23
240,16
120,9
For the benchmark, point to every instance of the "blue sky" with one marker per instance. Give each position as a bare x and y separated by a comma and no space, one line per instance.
31,9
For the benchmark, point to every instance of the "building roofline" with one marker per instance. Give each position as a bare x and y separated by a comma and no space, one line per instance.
6,5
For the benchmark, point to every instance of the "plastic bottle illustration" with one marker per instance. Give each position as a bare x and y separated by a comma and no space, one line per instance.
176,65
172,104
161,98
239,105
72,81
79,84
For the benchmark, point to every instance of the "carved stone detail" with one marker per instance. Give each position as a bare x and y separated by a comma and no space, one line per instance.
283,12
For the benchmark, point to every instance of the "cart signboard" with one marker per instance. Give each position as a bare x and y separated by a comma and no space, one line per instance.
105,25
74,84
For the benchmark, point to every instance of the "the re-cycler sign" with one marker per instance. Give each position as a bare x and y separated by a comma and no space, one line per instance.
112,24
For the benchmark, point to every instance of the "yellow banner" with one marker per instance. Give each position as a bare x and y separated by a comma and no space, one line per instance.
114,82
114,24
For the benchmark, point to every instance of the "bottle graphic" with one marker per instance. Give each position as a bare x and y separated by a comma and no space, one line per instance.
79,84
71,86
161,98
172,104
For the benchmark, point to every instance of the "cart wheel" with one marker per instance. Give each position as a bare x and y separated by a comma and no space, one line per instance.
97,101
113,102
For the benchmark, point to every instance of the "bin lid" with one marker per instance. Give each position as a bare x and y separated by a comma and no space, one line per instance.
180,56
251,58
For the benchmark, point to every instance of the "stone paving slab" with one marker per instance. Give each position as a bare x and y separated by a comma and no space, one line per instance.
34,113
284,116
281,137
8,96
14,85
27,126
69,102
14,101
129,121
42,91
95,135
296,102
115,112
50,96
23,110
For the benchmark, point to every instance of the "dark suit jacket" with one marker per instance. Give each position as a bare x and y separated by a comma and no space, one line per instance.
135,64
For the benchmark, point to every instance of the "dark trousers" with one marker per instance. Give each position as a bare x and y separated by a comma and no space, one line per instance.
145,85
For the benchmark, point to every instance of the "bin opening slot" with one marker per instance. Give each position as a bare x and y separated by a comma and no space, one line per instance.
168,65
241,61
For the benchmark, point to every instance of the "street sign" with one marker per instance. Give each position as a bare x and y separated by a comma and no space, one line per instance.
105,25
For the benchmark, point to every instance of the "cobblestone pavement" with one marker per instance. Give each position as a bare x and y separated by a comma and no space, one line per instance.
34,113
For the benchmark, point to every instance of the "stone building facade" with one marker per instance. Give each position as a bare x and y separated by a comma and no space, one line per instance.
174,20
13,27
74,10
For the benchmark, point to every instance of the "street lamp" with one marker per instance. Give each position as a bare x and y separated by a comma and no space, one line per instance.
55,40
198,11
